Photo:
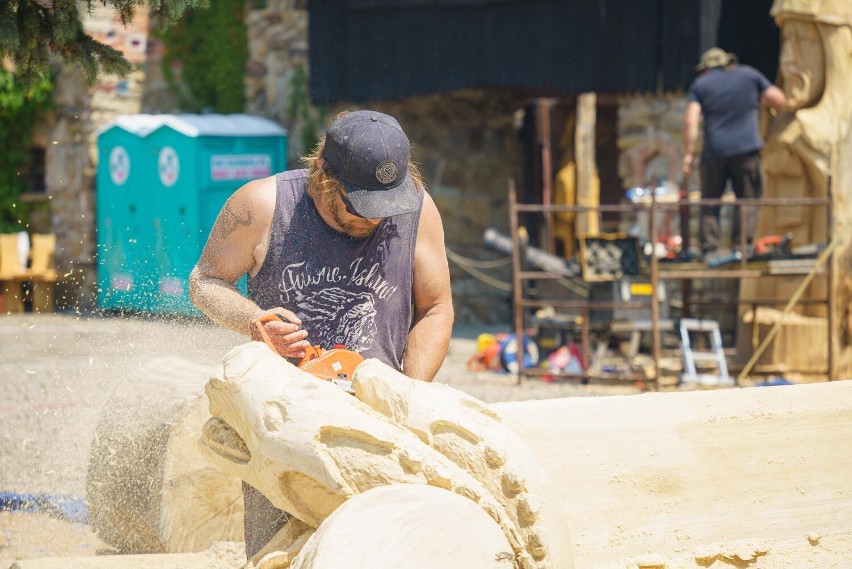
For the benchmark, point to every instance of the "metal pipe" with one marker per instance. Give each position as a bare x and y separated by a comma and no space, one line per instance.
656,342
550,263
829,268
517,287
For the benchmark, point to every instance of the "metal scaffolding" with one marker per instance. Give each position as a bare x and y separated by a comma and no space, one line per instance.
657,273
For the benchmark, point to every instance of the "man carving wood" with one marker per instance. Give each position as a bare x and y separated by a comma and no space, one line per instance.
350,251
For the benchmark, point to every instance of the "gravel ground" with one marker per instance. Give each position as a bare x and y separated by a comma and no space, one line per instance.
58,370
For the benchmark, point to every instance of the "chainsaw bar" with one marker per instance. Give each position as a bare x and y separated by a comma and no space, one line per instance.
344,384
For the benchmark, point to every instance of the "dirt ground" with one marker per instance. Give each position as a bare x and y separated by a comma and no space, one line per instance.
58,370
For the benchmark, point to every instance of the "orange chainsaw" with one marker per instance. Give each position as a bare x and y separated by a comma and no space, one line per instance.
336,365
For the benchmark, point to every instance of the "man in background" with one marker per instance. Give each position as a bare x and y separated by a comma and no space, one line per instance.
729,96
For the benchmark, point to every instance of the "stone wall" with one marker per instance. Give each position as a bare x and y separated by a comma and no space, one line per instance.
650,140
278,46
69,177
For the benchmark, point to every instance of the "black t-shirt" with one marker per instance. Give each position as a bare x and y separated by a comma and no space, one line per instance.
730,99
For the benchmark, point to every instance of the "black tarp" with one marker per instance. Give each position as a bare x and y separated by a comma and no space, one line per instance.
389,49
746,29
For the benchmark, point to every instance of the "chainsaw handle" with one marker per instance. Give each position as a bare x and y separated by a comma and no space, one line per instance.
311,352
258,326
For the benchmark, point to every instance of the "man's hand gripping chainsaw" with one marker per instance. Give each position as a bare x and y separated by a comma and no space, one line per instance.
336,365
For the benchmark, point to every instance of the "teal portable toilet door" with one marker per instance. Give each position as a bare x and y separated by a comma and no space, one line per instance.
122,206
174,197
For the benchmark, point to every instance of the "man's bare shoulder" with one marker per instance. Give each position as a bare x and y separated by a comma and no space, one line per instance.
431,228
258,194
248,213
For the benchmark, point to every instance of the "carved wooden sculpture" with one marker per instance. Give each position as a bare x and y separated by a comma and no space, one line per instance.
310,447
809,143
815,71
751,477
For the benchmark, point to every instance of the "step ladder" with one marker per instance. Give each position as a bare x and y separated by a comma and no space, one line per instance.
690,357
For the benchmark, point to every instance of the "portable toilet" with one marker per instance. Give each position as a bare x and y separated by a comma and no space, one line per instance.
180,170
124,208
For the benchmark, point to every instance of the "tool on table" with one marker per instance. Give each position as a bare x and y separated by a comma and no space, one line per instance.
773,244
764,248
336,365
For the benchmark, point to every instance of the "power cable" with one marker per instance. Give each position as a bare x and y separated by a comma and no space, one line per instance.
470,267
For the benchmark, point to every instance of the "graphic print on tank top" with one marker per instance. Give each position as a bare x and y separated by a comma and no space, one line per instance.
346,318
342,300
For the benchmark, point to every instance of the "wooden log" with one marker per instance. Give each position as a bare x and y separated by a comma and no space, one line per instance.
735,477
588,192
739,474
149,488
422,527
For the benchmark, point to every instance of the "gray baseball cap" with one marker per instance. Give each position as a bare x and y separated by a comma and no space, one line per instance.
369,152
715,57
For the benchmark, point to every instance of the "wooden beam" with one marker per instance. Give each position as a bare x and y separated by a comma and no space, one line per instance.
587,188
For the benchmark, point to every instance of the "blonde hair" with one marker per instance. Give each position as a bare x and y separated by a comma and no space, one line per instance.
321,181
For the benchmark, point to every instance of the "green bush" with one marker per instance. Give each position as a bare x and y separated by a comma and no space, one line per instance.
19,108
209,47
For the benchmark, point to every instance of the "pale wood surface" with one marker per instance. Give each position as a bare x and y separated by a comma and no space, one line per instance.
587,190
751,476
693,473
423,527
808,147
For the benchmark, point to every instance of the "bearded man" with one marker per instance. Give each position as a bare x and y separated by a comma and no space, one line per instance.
351,247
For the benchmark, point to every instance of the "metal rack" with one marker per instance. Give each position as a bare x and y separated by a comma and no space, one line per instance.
656,274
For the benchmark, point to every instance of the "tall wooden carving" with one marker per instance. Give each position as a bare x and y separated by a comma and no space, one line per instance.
809,143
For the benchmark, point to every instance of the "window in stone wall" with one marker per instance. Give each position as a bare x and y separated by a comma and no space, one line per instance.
32,174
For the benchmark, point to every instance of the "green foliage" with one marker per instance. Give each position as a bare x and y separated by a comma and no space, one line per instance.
310,117
19,106
31,29
209,47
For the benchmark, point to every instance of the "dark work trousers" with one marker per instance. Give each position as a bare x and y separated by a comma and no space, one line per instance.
262,520
744,172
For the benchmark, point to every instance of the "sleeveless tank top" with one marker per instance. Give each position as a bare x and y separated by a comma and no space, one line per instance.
349,291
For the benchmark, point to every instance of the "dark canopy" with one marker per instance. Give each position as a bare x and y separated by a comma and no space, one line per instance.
388,49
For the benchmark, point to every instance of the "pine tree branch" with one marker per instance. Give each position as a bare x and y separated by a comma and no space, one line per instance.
32,29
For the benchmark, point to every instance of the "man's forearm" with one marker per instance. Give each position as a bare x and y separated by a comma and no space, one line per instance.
690,136
428,342
691,120
222,302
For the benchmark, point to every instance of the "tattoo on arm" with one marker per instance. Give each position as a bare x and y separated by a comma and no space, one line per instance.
230,221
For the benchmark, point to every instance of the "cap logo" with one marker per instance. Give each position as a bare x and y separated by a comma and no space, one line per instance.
386,172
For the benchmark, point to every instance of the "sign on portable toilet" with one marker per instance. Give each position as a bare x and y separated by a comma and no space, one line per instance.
161,182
